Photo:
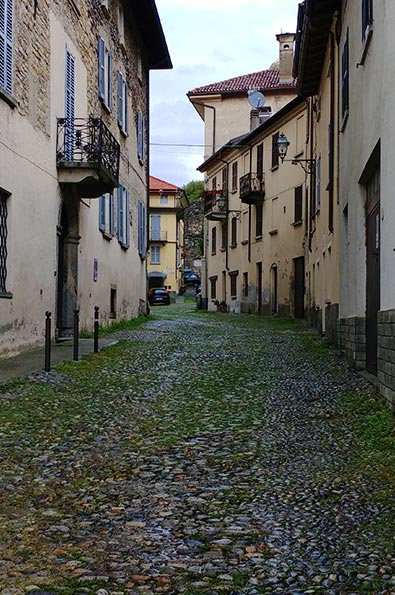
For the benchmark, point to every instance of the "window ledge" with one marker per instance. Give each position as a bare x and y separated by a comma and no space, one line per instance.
234,245
123,132
112,315
106,235
124,246
344,120
244,242
105,106
297,223
8,98
222,249
273,232
274,168
258,238
6,295
299,154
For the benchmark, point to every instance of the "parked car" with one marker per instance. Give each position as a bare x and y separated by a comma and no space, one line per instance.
159,295
191,280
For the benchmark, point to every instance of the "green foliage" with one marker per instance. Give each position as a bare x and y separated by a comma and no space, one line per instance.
194,190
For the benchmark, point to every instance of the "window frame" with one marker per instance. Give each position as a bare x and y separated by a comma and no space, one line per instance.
233,284
259,220
107,215
123,216
122,104
7,35
156,250
345,81
105,74
213,240
233,232
235,180
275,156
298,204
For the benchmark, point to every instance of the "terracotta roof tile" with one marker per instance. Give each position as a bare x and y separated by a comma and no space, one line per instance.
262,80
158,184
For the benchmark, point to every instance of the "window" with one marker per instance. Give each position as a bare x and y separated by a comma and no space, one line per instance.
105,74
234,176
224,179
3,243
345,79
113,301
223,235
163,200
233,284
245,284
259,161
123,228
367,18
213,287
259,219
122,103
106,214
274,150
140,136
155,254
6,45
214,183
298,204
69,137
141,222
121,25
233,235
213,240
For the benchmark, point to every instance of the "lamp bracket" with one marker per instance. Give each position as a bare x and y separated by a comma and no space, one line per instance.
308,165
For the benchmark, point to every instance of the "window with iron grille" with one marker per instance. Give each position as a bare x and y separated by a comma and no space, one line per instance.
275,150
259,219
213,240
3,243
298,204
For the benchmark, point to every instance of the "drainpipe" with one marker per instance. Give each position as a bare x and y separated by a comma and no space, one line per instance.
214,120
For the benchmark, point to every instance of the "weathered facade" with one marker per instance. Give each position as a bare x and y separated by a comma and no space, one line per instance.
193,236
73,162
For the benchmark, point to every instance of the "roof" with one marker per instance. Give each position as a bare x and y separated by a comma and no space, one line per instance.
314,25
146,17
246,139
158,185
262,80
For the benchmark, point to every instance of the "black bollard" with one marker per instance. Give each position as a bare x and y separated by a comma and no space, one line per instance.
96,330
47,365
76,332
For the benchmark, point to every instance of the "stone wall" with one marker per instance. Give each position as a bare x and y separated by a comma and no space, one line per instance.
386,354
351,334
193,232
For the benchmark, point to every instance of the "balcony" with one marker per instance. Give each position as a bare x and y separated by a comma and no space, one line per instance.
215,205
252,189
87,156
158,235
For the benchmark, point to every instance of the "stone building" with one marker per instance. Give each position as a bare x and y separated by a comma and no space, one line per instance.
193,236
73,161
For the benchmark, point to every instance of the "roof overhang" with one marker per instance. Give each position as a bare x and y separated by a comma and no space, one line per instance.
144,15
314,24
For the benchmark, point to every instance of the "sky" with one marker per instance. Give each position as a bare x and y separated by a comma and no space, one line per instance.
209,41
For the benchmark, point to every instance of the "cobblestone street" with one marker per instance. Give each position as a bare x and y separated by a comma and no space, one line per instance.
202,454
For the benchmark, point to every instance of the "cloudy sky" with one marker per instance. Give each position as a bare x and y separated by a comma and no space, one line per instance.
209,41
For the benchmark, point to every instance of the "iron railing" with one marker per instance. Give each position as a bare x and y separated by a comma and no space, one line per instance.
251,184
3,242
158,235
87,141
215,203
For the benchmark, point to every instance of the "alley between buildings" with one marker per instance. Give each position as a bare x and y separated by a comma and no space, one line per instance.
202,454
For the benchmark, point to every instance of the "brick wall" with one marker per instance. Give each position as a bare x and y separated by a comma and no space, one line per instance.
351,334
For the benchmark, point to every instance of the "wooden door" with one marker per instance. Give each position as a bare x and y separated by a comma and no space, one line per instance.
372,269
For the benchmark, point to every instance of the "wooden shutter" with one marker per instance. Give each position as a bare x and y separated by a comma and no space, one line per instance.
140,136
111,215
109,81
127,218
345,83
140,227
144,240
275,149
298,204
126,108
120,214
6,44
102,213
102,66
259,161
120,99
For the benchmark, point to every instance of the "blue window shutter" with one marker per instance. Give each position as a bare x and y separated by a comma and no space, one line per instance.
126,110
120,214
102,213
109,81
69,107
111,215
140,135
144,211
127,218
6,44
139,227
120,99
102,52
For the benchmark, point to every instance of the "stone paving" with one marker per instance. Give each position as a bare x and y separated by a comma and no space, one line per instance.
203,455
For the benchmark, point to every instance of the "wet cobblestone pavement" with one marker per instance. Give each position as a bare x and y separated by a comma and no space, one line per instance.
201,455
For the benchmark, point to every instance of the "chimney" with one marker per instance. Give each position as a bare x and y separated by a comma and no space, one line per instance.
286,41
254,119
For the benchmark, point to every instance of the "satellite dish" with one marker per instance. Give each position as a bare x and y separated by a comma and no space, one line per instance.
256,98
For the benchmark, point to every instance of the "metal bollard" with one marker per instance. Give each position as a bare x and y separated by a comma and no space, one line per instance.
96,330
76,332
47,364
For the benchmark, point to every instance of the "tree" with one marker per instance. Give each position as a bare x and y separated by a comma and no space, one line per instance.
194,190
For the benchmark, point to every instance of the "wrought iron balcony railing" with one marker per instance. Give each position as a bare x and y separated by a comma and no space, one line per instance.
158,235
215,204
252,188
87,142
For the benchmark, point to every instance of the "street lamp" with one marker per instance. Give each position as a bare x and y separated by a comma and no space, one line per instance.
308,165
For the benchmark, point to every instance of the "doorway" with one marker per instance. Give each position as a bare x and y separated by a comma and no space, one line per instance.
299,287
274,290
259,286
372,268
67,274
